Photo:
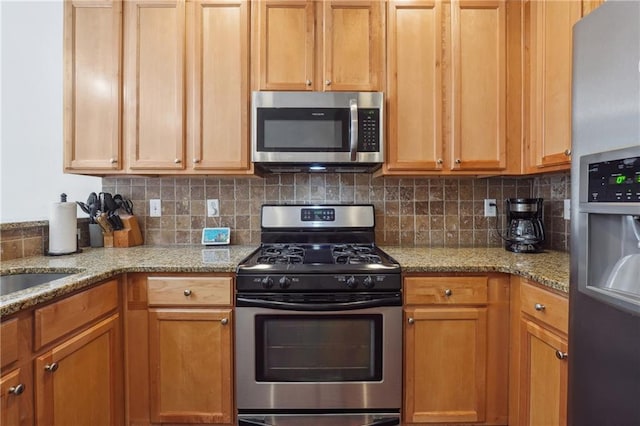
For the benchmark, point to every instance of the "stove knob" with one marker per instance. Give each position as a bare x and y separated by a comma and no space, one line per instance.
368,282
267,282
285,282
351,282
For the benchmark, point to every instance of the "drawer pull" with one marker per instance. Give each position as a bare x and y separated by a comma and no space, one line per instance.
539,307
448,292
224,321
51,367
187,292
17,389
411,320
561,355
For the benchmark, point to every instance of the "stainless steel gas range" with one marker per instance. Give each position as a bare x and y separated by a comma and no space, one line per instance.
318,321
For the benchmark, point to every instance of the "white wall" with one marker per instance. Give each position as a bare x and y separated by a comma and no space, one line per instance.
31,113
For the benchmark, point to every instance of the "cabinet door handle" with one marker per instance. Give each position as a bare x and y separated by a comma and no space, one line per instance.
17,389
328,82
411,320
177,161
224,321
448,292
187,292
196,161
308,82
567,152
439,161
51,367
458,161
539,307
113,160
561,355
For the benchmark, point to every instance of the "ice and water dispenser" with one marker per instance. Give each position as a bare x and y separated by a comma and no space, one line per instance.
608,226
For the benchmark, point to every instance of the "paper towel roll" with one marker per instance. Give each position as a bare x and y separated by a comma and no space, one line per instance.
62,228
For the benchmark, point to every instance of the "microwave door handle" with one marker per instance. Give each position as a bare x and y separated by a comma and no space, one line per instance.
353,131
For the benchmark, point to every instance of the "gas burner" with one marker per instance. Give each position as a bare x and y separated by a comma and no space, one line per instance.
357,259
279,254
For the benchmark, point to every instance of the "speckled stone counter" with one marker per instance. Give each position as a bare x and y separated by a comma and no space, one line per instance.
93,265
550,268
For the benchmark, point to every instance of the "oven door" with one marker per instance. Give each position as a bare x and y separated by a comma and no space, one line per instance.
321,358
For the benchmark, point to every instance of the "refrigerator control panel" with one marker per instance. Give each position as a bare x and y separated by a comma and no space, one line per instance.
614,181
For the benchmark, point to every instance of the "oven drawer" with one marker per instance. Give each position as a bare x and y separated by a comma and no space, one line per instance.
189,291
445,290
545,306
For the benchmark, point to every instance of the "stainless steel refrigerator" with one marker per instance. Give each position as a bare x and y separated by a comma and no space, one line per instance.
604,299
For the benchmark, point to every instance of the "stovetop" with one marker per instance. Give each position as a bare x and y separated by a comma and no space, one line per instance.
318,248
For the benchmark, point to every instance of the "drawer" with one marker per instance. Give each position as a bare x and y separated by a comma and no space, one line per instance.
189,291
545,306
9,342
445,290
60,318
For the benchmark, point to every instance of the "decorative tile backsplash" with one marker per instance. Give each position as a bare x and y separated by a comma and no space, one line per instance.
435,212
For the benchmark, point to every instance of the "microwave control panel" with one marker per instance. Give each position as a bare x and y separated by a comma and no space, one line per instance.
615,181
368,130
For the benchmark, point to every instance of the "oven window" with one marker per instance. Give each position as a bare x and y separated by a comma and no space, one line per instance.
318,348
303,129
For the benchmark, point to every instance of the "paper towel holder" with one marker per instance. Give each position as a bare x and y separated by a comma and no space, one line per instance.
63,199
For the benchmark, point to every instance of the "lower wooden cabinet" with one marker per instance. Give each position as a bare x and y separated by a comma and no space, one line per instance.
13,392
180,349
539,358
78,381
455,366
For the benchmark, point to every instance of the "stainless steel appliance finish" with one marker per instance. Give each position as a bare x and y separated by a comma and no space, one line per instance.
318,321
317,131
604,314
525,230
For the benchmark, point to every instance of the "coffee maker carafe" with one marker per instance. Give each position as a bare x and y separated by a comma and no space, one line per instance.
525,231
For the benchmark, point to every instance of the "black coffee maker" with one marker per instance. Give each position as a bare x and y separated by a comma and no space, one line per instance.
525,231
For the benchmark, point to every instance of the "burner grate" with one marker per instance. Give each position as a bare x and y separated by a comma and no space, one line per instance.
280,254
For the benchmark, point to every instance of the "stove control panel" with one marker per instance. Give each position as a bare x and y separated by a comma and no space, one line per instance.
318,282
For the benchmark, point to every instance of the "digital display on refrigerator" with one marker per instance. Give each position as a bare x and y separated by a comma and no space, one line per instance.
615,181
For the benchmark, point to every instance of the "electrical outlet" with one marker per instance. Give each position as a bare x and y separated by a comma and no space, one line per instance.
213,208
155,208
567,209
490,207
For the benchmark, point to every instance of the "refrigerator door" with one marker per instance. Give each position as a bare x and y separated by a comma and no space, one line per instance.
604,336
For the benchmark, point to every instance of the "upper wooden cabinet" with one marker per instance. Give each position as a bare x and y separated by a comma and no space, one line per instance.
185,87
92,76
333,45
447,87
548,41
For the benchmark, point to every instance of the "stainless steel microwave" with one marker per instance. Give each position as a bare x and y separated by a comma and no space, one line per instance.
317,131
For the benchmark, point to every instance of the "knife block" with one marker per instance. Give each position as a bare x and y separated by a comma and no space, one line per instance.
129,236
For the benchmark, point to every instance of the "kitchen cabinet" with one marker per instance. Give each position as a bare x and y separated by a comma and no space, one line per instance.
548,41
92,86
180,339
538,375
455,332
447,88
333,45
12,394
184,85
78,374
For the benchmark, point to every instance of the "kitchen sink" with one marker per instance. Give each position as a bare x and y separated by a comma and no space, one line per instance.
17,282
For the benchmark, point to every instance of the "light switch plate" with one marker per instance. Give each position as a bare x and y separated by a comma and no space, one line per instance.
213,208
155,208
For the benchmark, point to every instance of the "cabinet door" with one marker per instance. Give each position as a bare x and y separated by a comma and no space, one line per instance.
352,37
92,79
478,29
284,44
445,350
543,384
218,81
190,349
14,406
551,23
79,382
154,40
414,53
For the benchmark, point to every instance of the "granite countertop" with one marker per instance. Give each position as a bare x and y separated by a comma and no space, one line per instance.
93,265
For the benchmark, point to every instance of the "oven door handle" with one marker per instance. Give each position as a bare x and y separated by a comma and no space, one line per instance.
289,306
